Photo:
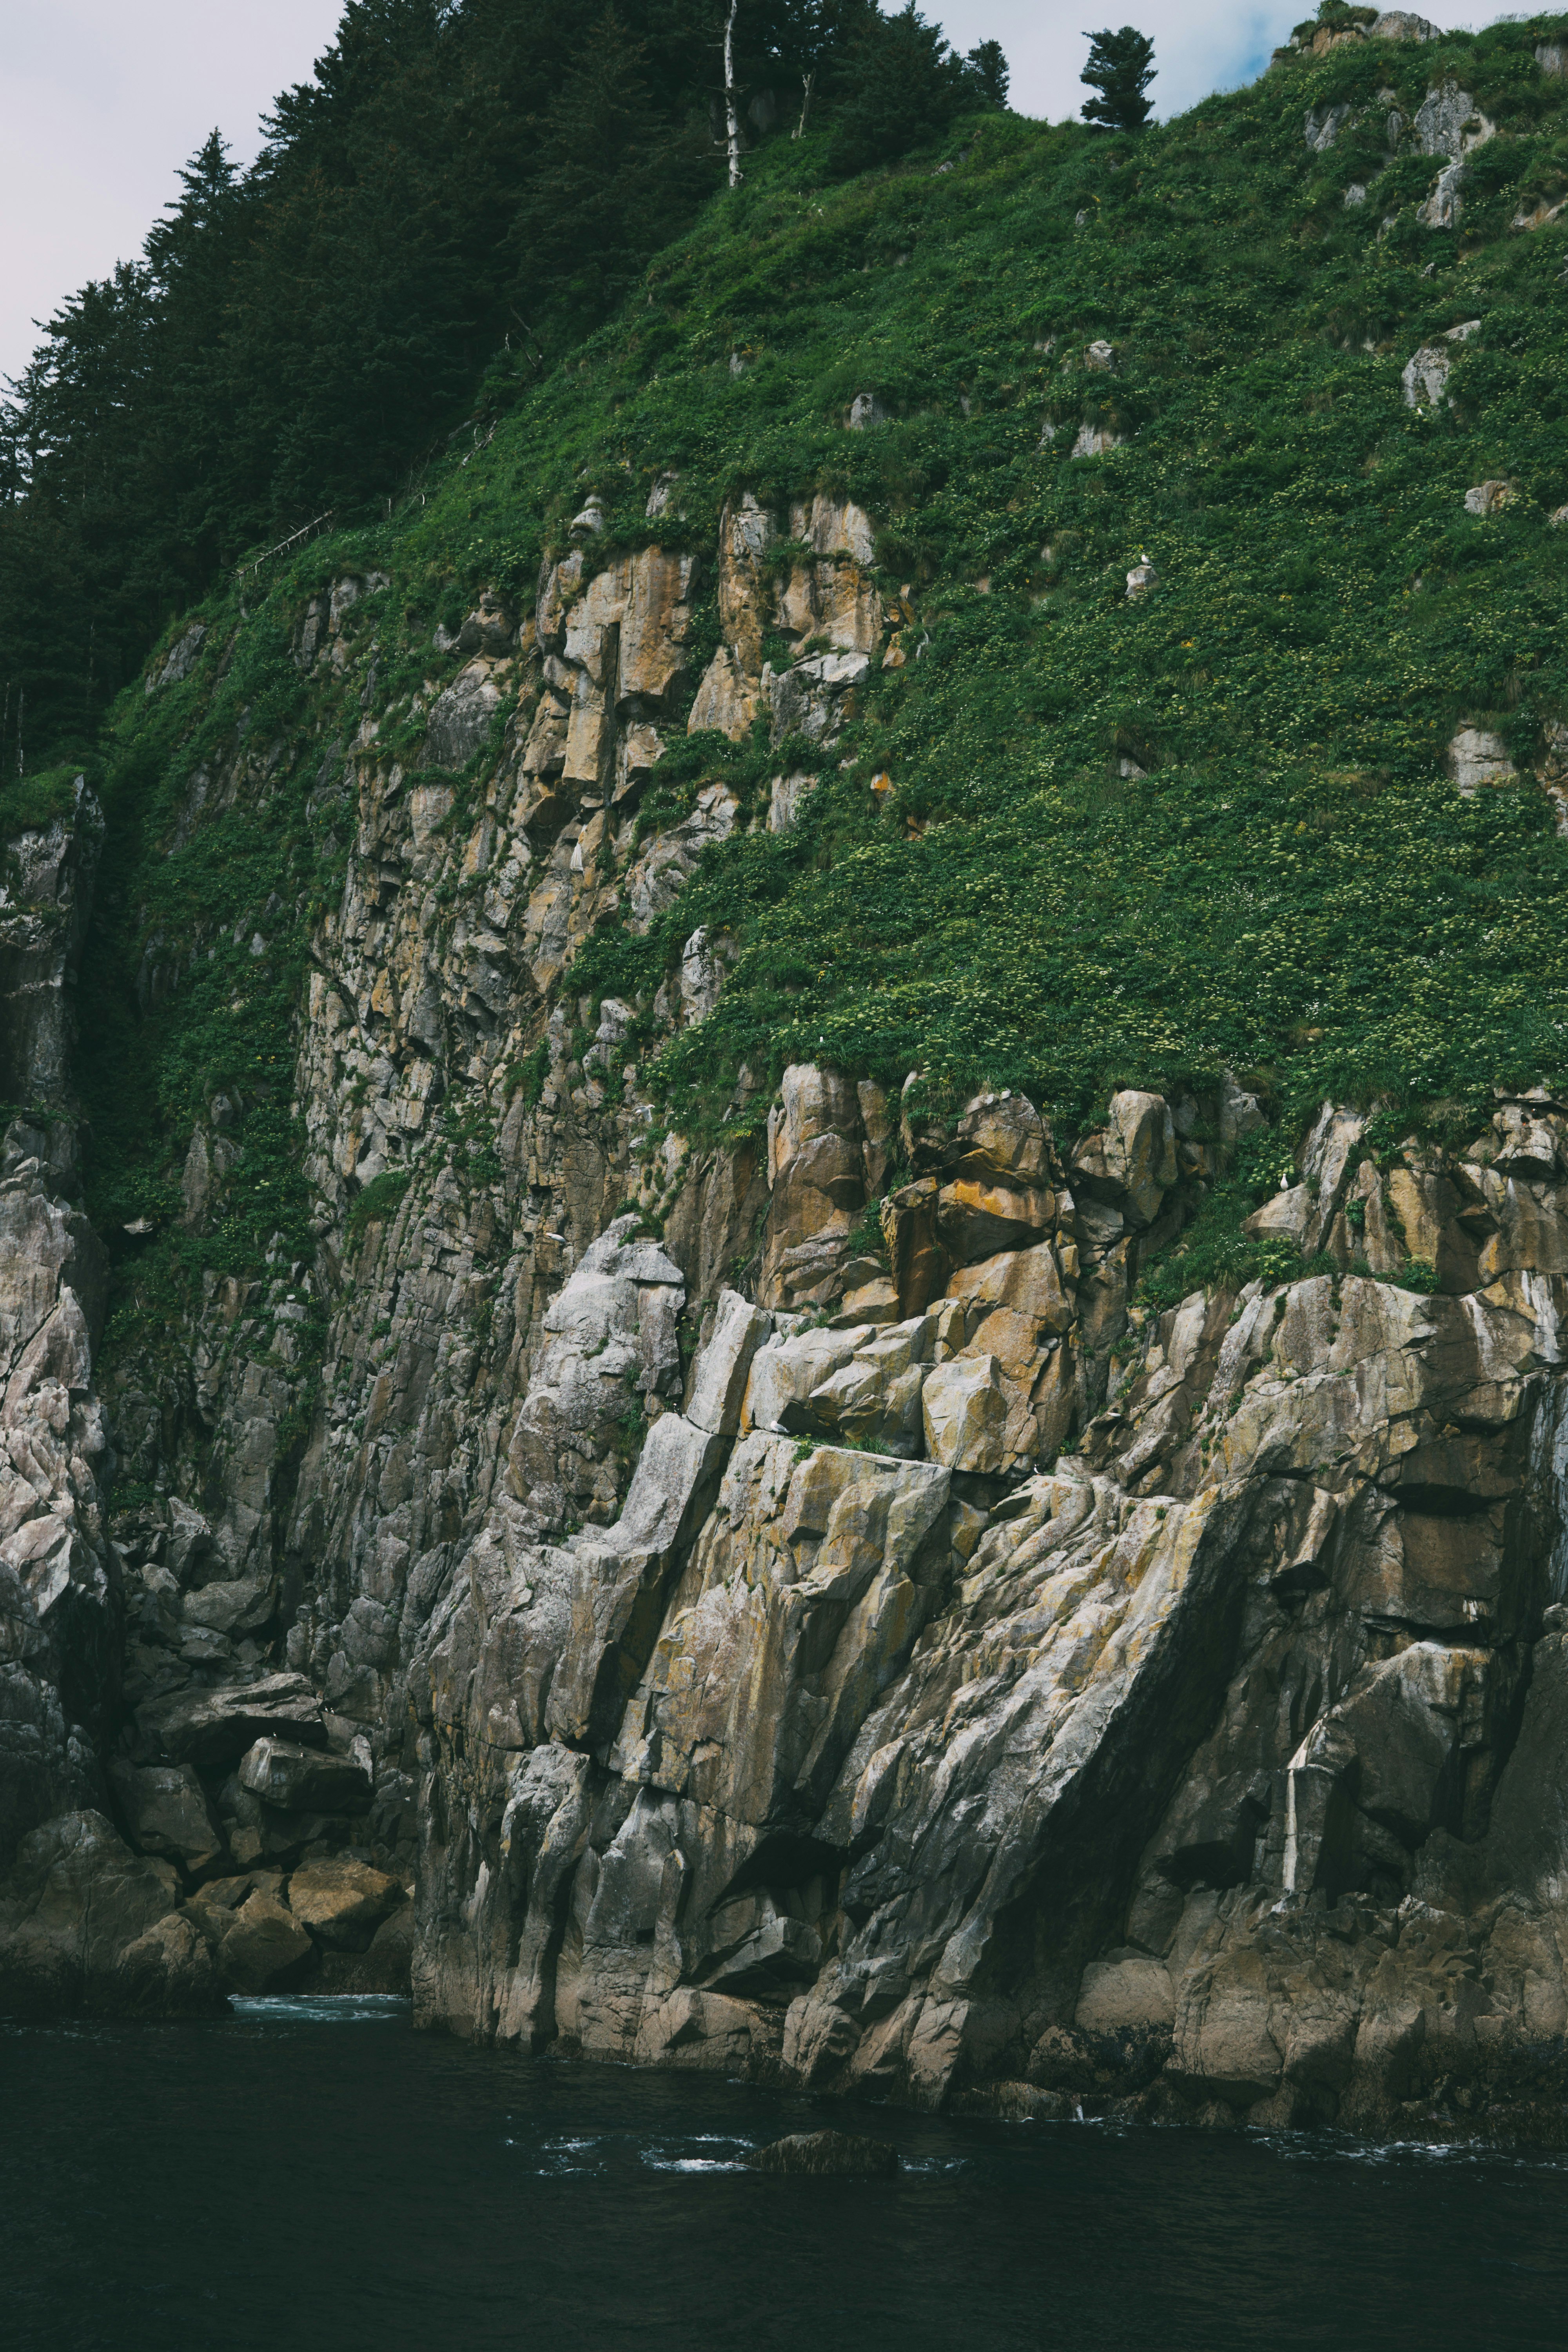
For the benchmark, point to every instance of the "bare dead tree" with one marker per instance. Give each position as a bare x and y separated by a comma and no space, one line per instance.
808,83
731,106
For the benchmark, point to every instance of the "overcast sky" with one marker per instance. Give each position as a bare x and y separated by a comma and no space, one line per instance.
101,100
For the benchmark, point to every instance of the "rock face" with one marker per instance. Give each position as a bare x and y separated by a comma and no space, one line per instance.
1315,40
1323,125
1478,757
823,595
1448,122
61,1602
45,901
1425,373
932,1767
785,1607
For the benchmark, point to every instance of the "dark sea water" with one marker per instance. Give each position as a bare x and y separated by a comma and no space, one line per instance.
313,2173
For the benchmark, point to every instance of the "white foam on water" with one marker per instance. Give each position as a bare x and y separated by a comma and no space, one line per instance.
323,2008
666,2156
1324,2149
691,2163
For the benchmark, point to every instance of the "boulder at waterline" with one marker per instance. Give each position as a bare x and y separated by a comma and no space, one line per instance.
827,2154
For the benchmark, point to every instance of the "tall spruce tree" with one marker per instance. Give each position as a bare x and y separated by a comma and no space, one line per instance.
613,180
987,68
1121,68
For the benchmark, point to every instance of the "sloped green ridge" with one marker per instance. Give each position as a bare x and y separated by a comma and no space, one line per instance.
1291,886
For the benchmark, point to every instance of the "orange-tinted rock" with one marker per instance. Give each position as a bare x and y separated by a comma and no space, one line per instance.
976,1219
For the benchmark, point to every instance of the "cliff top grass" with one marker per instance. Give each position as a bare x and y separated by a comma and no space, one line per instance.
1127,841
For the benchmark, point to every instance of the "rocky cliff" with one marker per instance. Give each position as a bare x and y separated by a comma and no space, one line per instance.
804,1592
924,1672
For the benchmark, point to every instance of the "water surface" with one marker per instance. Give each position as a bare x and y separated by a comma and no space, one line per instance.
313,2173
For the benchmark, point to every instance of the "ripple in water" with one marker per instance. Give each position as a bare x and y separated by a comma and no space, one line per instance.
312,2170
325,2008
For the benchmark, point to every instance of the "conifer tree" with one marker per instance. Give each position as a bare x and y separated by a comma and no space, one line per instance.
1121,68
987,68
900,86
611,180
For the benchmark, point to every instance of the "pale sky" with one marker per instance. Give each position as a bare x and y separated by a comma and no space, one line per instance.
102,100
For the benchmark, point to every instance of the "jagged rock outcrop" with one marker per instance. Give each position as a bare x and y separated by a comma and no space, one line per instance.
1448,122
1174,1769
810,585
45,893
1425,373
60,1588
1315,39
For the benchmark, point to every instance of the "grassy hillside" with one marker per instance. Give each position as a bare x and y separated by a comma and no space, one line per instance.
1284,882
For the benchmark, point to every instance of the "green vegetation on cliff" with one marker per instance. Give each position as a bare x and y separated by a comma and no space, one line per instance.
32,803
1115,838
1134,838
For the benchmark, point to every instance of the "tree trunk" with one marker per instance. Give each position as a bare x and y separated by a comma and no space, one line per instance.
731,111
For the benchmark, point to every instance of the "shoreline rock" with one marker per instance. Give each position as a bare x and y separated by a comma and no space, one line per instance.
827,2155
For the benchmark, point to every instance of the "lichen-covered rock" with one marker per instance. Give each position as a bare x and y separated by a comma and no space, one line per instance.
817,697
1323,125
1131,1163
1448,122
724,1367
963,1405
461,720
1491,497
816,1175
831,596
725,700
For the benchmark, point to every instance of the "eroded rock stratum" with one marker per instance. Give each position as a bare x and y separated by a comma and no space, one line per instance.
782,1609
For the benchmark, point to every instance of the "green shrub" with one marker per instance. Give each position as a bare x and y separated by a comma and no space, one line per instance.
32,803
